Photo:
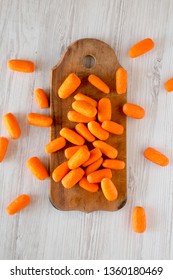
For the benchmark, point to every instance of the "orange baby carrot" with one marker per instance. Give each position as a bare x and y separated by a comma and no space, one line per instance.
70,84
95,154
106,149
113,127
94,166
69,152
141,47
74,116
96,129
19,65
98,83
121,80
39,120
91,187
81,96
55,145
41,98
37,168
156,157
78,158
12,125
139,219
84,108
133,111
104,110
109,190
97,176
169,85
18,204
72,178
60,171
3,147
114,164
72,136
83,131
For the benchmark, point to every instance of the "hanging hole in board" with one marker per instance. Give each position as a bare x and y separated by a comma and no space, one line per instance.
89,61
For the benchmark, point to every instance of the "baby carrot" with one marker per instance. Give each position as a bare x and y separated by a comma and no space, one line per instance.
139,219
95,154
12,125
60,171
133,111
39,120
55,145
113,127
169,85
94,166
19,65
96,129
81,156
114,164
72,136
98,83
84,108
97,176
70,84
37,168
156,157
18,204
3,147
72,178
83,131
121,80
104,110
81,96
74,116
106,149
109,190
41,98
91,187
69,152
141,47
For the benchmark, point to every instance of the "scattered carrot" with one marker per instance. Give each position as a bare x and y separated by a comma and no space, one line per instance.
104,110
91,187
19,65
106,149
83,131
141,47
96,129
156,157
12,125
113,127
94,166
109,190
69,152
81,96
97,176
114,164
18,204
70,84
72,178
60,171
39,120
98,83
72,136
41,98
55,145
3,147
37,168
133,111
95,154
81,156
84,108
139,219
169,85
121,80
74,116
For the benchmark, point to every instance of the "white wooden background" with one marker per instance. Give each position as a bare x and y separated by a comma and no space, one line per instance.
40,30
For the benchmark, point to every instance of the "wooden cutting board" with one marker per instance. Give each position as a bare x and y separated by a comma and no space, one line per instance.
75,59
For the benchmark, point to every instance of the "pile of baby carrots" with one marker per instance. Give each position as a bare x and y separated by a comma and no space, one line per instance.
88,168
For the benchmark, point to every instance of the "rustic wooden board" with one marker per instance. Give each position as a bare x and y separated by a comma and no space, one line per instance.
106,64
